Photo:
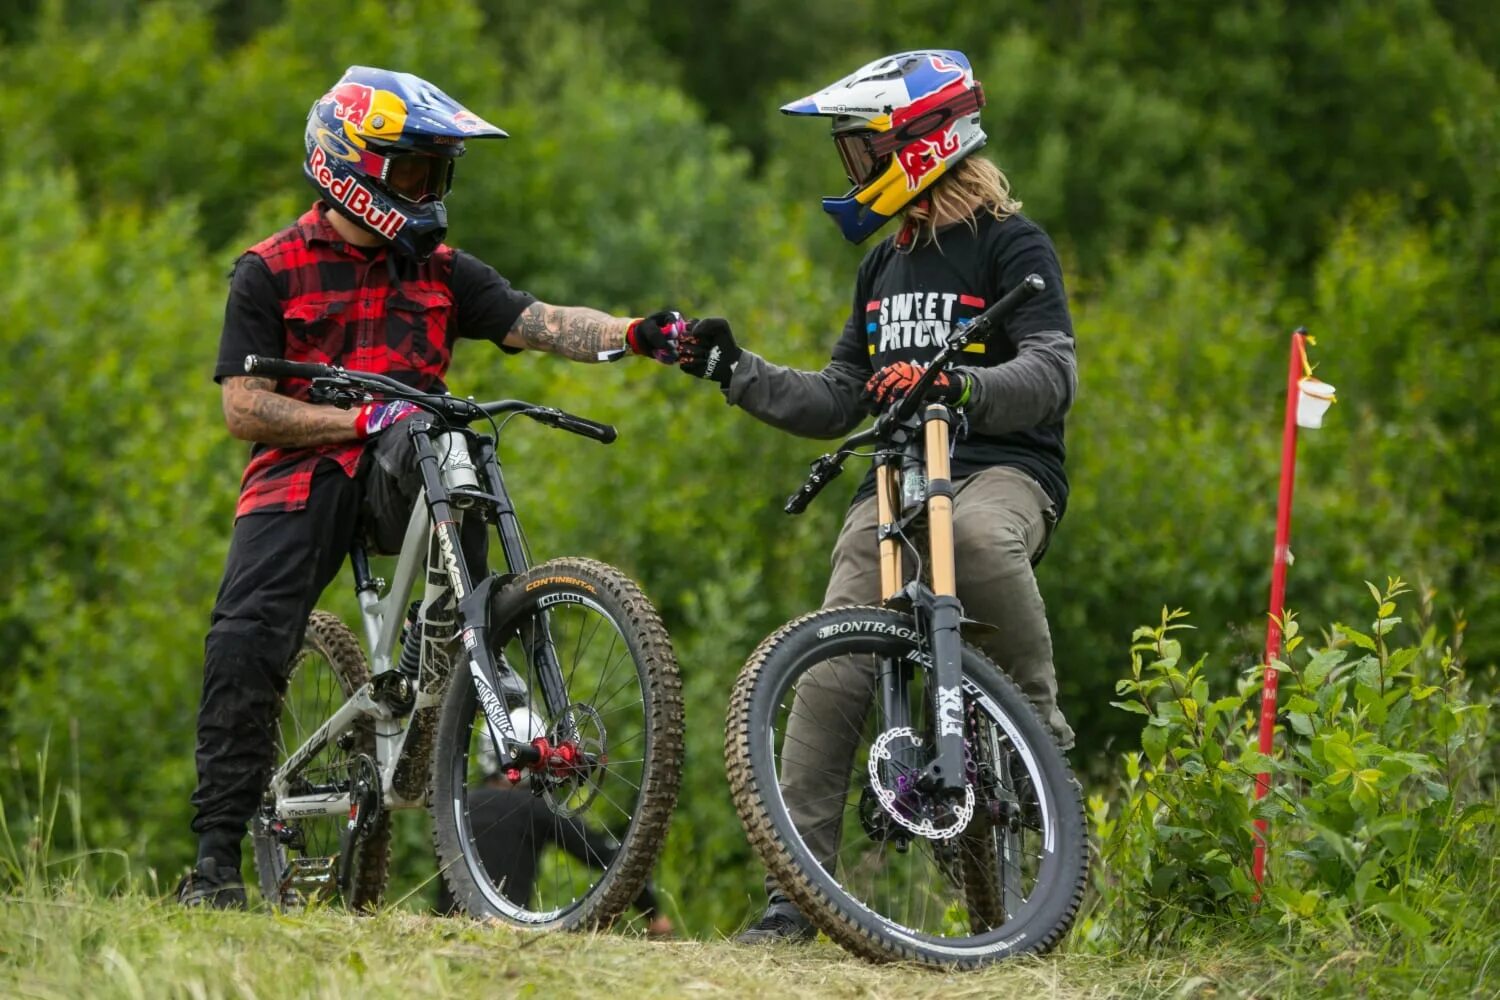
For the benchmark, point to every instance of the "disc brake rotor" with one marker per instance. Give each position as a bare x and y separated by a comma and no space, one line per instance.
908,806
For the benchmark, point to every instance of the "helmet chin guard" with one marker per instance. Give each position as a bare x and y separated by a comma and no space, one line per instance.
900,123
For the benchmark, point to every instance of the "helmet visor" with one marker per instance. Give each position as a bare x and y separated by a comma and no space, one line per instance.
861,165
417,177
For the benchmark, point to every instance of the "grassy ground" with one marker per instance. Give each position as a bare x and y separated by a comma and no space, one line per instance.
69,947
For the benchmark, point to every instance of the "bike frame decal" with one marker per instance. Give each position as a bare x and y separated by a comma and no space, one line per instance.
950,711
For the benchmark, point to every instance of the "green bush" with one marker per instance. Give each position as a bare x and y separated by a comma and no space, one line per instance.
1382,803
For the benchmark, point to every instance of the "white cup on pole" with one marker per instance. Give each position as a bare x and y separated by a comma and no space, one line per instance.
1314,397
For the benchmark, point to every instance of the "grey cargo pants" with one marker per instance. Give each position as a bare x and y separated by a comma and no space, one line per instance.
1002,519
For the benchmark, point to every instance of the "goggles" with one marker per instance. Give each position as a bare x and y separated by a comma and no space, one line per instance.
857,150
417,177
866,152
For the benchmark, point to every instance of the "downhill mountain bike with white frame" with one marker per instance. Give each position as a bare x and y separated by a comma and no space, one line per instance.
557,681
961,836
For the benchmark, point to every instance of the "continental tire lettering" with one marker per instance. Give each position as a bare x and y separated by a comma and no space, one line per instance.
869,628
570,581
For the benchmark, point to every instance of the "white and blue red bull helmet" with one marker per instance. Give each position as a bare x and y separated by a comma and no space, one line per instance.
380,151
900,123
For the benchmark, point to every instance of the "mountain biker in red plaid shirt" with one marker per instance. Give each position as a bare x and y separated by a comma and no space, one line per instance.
361,280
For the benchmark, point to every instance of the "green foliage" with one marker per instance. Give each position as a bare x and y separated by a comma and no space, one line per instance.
1215,175
1381,810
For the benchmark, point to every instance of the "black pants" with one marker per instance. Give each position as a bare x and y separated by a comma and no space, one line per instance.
278,565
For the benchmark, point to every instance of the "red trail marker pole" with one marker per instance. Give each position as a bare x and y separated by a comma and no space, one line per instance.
1296,368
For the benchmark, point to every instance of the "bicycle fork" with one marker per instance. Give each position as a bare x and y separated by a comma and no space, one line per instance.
473,600
937,610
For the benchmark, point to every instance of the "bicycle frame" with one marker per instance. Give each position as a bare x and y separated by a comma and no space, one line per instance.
391,701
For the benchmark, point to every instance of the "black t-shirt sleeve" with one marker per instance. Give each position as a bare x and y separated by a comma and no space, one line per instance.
252,318
485,304
1032,253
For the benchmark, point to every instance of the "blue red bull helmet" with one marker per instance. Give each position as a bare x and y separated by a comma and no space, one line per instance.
899,123
380,151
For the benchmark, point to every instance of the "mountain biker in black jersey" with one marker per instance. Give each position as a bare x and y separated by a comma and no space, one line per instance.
906,127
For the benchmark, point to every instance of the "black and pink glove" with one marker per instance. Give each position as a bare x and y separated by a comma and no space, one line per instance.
376,417
655,336
892,383
707,350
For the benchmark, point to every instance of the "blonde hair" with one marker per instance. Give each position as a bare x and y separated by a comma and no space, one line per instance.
976,185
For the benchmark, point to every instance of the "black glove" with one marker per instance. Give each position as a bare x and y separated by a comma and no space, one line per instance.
707,350
656,335
890,385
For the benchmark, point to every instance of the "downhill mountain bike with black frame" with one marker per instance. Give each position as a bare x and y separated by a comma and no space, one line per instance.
961,837
566,689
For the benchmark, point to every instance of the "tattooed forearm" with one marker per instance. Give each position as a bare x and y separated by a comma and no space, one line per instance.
255,411
571,331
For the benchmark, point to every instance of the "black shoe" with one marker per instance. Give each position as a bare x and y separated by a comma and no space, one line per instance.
782,922
213,885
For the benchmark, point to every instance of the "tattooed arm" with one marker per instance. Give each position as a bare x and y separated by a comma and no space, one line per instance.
575,332
255,411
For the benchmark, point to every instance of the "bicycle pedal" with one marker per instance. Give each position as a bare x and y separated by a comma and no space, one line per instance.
314,875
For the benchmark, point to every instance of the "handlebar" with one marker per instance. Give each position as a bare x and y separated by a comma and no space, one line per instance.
345,387
826,468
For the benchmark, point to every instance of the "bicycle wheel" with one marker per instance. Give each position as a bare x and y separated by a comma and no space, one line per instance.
898,873
568,843
299,858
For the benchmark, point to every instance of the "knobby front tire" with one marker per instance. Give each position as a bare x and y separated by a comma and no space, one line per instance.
625,698
1007,882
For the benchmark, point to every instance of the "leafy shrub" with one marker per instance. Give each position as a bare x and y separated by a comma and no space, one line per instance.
1382,799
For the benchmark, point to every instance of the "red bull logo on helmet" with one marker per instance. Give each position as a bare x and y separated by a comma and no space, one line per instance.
923,156
355,197
351,102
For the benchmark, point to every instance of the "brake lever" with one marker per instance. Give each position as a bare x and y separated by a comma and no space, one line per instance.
342,397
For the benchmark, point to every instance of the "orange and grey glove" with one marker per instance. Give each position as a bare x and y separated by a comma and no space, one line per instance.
892,383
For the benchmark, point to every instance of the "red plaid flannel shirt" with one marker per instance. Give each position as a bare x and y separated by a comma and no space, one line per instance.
342,307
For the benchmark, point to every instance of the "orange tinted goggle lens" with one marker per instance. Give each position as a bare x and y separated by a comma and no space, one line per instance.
416,177
860,162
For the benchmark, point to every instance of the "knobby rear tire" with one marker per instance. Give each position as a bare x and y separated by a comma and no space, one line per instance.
604,588
752,764
329,638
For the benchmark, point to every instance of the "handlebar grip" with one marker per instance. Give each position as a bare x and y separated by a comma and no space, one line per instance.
280,368
603,433
824,471
1008,303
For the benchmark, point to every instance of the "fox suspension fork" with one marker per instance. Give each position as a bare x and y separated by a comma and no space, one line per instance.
946,772
937,611
473,625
